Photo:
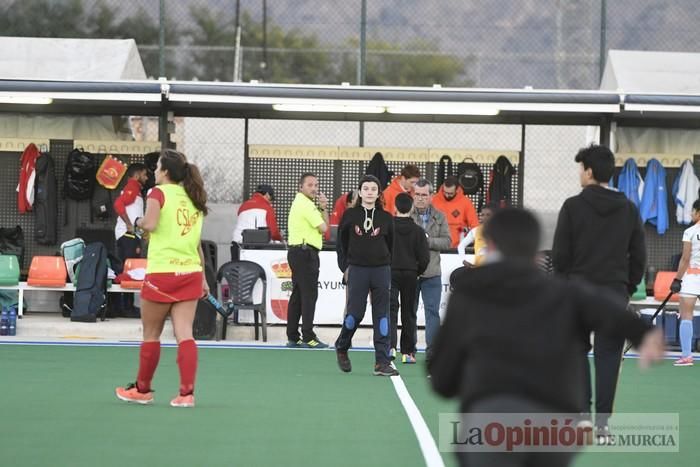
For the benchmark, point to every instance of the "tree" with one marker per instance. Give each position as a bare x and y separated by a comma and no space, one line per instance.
416,63
70,19
293,56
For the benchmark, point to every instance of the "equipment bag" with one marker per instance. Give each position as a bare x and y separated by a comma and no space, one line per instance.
45,201
72,251
91,292
101,204
12,243
79,175
470,177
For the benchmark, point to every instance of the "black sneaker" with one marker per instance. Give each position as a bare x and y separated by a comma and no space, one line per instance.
294,344
385,369
313,344
343,361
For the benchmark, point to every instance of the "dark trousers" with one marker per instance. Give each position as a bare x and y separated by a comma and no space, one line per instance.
607,356
509,404
403,288
302,303
128,246
361,281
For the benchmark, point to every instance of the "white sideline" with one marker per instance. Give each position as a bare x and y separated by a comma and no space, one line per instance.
430,451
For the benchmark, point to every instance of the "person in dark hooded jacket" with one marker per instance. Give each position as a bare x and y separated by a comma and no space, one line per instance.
409,259
599,238
510,342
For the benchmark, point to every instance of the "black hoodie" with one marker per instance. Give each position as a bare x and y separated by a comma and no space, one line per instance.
599,237
510,329
411,251
364,248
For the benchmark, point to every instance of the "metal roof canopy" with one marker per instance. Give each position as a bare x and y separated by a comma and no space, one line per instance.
444,105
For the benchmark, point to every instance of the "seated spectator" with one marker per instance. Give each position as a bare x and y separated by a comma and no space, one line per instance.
255,213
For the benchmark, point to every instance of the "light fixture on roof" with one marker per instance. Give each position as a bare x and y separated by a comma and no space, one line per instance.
25,99
662,108
332,108
442,108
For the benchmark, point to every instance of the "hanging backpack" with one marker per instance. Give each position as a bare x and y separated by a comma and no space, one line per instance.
79,175
500,190
470,177
12,242
101,204
444,169
72,251
91,290
45,201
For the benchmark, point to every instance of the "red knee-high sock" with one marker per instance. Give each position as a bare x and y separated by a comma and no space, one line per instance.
148,362
187,362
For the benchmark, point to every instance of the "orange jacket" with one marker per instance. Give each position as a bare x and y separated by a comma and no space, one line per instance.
459,213
390,194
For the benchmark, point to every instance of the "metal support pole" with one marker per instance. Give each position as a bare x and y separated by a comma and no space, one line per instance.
161,40
603,38
237,46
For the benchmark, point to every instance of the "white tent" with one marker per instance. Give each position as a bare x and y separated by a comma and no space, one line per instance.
72,59
653,72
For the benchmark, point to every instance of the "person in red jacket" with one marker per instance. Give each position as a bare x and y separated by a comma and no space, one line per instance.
344,201
402,184
457,208
254,213
129,206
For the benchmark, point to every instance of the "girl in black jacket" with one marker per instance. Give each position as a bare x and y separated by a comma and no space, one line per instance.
365,240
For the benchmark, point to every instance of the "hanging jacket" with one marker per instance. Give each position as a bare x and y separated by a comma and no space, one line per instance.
685,192
630,182
378,168
500,182
459,213
27,173
654,205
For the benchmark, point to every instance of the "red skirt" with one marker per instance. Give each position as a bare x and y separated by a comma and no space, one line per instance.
172,287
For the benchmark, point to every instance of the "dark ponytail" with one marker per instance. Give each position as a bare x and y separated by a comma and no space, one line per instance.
180,171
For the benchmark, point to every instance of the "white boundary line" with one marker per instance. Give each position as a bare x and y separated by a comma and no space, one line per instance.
430,451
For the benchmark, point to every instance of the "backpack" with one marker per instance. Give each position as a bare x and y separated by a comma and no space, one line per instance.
91,290
101,204
79,175
444,169
500,189
72,251
45,201
470,177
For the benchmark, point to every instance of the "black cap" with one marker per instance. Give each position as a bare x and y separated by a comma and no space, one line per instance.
265,189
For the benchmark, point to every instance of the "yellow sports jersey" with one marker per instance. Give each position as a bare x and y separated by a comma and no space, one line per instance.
174,244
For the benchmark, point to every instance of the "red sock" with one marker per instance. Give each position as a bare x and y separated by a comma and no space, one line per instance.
148,362
187,362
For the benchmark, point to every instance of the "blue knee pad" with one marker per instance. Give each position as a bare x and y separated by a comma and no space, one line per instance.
384,326
349,322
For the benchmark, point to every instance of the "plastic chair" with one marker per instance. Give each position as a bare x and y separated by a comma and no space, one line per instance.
47,271
9,270
241,277
129,265
210,251
662,285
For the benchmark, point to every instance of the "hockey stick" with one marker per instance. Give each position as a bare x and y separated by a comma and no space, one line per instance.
656,313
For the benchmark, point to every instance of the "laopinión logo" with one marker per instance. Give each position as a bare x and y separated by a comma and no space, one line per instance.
556,432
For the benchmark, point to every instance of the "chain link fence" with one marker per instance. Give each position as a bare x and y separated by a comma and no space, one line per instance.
557,44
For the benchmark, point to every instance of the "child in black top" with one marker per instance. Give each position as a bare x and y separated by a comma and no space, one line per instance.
409,260
365,241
